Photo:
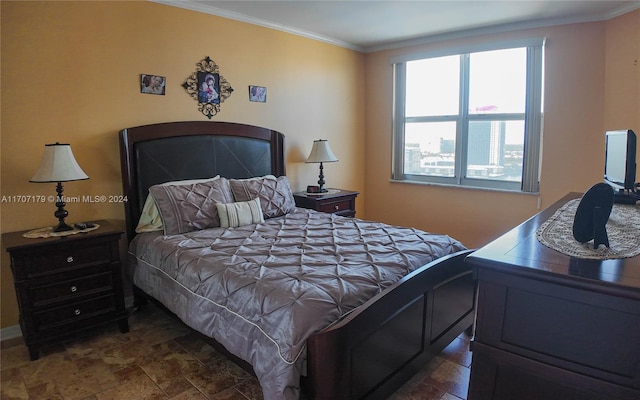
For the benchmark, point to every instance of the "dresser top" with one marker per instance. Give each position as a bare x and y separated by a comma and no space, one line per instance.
15,241
329,194
519,251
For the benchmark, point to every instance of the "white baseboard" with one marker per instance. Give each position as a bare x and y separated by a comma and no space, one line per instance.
10,332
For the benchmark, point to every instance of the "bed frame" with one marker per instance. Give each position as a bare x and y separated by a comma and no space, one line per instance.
378,347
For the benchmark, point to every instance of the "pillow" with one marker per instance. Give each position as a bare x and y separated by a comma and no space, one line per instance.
150,220
275,194
190,181
190,207
233,215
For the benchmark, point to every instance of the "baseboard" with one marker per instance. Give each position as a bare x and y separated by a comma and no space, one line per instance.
10,332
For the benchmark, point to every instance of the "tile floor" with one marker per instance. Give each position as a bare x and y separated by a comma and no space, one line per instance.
162,359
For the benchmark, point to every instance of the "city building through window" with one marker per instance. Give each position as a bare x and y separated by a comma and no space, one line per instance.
470,117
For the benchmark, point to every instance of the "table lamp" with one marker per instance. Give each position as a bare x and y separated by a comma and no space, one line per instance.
59,165
321,152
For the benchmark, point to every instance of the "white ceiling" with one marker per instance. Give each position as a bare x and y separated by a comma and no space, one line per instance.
375,25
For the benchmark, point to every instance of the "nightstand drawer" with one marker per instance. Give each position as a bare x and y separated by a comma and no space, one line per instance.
60,260
48,294
335,207
70,313
334,201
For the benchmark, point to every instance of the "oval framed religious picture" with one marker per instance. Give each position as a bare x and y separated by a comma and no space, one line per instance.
592,215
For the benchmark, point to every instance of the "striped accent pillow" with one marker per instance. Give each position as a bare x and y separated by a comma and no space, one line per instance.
240,213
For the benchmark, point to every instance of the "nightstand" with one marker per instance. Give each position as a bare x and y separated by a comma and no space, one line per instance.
67,284
336,201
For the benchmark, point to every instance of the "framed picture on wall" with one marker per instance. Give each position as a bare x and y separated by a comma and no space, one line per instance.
209,87
152,84
258,93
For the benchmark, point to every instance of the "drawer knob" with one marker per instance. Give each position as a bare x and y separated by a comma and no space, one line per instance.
74,288
76,311
70,259
336,207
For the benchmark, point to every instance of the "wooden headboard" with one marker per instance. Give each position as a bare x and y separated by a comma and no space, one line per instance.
157,153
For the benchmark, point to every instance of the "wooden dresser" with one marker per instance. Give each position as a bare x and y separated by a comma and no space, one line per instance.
549,326
65,285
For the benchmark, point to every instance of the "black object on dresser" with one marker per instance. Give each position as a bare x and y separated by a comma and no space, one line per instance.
554,327
67,284
336,201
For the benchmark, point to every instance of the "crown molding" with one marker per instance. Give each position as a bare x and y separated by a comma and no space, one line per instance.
509,27
502,28
199,7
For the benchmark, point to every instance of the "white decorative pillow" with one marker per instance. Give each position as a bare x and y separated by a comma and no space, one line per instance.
150,219
233,215
275,194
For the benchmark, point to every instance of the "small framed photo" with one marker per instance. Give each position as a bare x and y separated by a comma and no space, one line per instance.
258,93
152,84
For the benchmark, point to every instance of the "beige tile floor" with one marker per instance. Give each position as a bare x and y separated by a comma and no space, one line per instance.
162,359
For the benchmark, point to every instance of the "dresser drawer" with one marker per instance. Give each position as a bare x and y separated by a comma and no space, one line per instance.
335,207
73,312
583,331
68,290
57,259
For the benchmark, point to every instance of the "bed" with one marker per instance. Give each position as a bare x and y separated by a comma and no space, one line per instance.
328,306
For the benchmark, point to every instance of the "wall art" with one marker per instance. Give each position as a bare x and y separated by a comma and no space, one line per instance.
152,84
208,87
258,93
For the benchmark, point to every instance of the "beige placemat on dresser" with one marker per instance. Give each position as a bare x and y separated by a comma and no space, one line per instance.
623,229
48,232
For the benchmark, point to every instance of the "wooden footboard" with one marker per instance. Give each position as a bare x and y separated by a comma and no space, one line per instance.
377,347
373,351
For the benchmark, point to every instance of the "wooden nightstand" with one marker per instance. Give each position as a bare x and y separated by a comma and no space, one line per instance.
336,201
68,284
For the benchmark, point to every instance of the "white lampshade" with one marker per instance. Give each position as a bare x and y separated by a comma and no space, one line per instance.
58,165
321,152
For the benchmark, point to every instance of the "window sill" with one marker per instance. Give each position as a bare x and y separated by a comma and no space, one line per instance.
444,185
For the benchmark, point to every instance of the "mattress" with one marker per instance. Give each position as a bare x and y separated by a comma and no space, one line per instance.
261,290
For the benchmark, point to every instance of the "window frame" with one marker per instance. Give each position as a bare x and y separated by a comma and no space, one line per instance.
532,117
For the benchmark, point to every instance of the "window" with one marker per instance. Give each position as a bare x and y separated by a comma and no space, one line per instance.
471,117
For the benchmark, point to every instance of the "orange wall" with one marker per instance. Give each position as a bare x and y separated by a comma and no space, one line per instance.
592,84
70,73
622,74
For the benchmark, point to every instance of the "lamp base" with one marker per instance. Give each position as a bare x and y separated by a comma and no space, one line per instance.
321,182
62,227
61,213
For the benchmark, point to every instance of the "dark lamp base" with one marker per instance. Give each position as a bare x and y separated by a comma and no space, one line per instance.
61,213
62,227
